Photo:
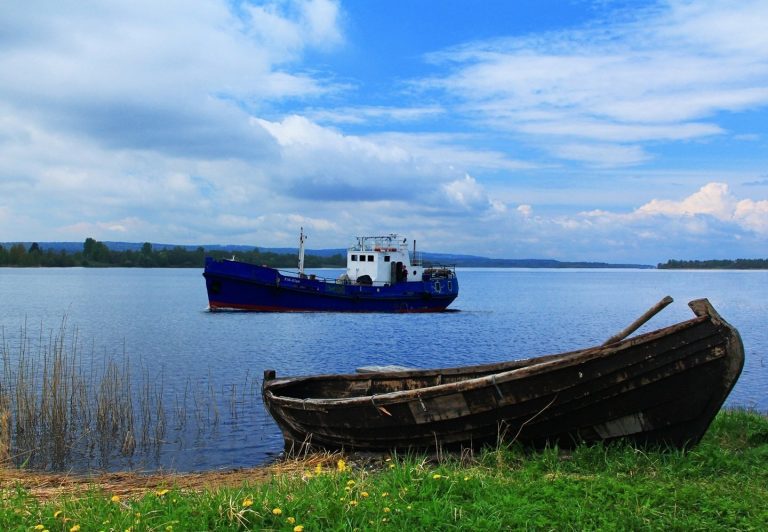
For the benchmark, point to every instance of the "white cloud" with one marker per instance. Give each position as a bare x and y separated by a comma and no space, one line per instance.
753,215
208,122
713,199
655,76
364,114
325,163
274,26
711,208
112,228
601,154
468,194
716,200
320,18
132,74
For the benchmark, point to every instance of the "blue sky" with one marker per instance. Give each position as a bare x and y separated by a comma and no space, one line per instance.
575,130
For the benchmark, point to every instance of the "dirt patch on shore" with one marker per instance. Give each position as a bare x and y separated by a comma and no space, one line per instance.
127,484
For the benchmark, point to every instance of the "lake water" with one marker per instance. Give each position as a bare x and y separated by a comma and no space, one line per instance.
213,362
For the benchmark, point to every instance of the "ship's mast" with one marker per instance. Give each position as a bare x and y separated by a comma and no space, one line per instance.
302,238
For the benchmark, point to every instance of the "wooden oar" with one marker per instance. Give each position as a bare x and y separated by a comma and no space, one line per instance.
650,313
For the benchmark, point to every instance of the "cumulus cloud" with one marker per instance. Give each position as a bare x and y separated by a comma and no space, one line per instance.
712,204
753,215
215,122
714,200
325,163
525,210
164,77
468,194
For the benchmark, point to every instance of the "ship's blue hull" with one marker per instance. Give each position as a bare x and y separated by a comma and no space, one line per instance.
241,286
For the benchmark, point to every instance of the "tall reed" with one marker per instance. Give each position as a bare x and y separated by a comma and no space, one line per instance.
58,408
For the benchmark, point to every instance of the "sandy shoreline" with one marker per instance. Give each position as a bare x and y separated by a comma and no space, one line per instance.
44,485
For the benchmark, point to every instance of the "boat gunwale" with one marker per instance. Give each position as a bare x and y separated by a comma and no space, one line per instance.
560,360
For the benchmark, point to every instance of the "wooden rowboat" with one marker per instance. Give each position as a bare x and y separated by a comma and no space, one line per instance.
661,388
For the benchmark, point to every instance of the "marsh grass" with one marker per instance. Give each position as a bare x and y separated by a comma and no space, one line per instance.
720,484
59,408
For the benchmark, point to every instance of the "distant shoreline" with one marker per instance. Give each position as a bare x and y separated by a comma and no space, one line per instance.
715,264
95,254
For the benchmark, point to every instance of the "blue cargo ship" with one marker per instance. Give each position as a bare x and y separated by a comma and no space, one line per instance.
382,275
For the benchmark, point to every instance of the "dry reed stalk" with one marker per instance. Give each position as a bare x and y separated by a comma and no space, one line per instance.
64,412
5,434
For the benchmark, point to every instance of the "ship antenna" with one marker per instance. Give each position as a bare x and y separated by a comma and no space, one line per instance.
302,238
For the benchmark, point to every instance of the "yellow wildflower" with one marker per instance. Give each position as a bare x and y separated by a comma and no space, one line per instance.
353,503
39,527
341,465
466,478
436,476
115,498
318,469
350,482
384,493
391,466
162,492
386,509
247,502
291,520
298,528
57,513
74,528
364,494
277,511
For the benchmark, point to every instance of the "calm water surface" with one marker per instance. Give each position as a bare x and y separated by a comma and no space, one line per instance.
157,318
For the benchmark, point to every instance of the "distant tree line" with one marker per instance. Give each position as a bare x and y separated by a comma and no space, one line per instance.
738,264
97,255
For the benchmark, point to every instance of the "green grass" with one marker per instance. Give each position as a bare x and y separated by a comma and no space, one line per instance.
720,484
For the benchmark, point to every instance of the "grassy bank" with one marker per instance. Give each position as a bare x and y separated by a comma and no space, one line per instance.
722,483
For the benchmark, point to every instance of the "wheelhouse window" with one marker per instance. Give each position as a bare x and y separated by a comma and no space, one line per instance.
353,258
370,258
386,258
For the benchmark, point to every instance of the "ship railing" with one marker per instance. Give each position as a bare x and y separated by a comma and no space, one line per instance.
439,270
332,280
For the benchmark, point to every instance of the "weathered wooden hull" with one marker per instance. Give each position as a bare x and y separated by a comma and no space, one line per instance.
660,388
